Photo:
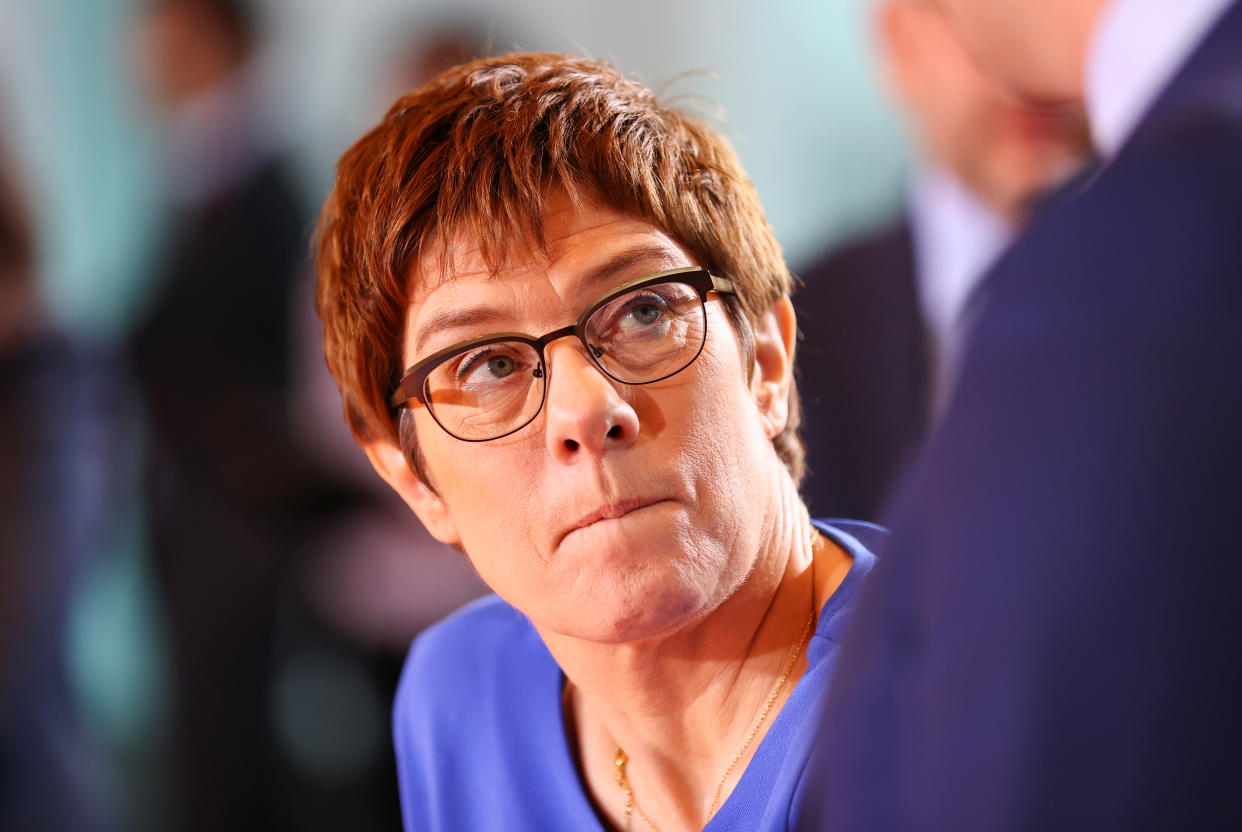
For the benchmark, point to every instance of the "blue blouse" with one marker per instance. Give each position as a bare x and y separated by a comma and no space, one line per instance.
480,734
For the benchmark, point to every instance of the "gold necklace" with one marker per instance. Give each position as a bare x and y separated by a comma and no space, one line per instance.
621,759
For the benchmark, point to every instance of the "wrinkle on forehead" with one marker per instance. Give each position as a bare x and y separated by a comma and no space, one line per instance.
466,248
464,256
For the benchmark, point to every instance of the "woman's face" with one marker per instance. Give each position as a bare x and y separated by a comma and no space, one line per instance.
621,512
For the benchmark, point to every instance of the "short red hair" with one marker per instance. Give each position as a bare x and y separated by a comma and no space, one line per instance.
482,147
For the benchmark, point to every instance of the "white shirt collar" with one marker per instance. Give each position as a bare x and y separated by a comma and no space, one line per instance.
956,238
1135,50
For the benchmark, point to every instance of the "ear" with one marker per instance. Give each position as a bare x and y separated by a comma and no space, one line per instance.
390,463
897,47
775,337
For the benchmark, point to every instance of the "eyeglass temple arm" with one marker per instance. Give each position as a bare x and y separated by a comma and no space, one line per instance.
399,398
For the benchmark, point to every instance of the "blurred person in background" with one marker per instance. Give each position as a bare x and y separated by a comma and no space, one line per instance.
226,485
375,572
58,406
1051,639
627,483
429,49
280,580
883,317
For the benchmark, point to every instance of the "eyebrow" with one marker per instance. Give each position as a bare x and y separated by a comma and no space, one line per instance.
656,254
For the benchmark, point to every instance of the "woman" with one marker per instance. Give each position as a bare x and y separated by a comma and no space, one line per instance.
562,330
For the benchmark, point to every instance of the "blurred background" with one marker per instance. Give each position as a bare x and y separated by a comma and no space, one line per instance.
205,594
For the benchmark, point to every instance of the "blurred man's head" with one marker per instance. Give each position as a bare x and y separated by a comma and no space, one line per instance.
1034,48
1005,152
16,250
20,308
185,47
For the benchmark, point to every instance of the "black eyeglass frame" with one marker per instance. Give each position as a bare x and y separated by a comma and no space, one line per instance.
413,384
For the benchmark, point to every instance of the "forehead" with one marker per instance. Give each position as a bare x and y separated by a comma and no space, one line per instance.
589,250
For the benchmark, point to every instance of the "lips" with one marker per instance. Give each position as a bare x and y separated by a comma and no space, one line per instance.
613,511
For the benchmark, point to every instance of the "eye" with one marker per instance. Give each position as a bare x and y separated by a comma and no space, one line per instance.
649,315
646,312
500,365
487,366
639,313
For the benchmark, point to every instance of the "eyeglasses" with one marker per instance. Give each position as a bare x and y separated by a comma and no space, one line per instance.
641,332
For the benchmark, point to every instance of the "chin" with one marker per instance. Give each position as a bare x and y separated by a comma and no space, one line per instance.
634,610
640,578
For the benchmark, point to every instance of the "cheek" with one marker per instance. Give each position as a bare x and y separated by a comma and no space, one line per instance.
652,414
698,412
992,34
978,24
483,486
727,444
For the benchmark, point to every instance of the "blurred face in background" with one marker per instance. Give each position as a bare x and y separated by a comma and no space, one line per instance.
18,289
182,48
1005,151
1035,49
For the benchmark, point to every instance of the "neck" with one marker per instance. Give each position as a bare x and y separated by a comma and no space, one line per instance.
682,705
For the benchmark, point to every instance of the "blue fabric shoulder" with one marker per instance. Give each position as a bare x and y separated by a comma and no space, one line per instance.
478,730
473,643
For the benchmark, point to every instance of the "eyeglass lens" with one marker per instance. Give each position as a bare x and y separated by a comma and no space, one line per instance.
641,336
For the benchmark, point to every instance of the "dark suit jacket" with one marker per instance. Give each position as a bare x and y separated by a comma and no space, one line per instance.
59,408
1051,640
211,352
223,479
862,368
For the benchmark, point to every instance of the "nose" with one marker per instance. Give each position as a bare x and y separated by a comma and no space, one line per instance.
586,414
